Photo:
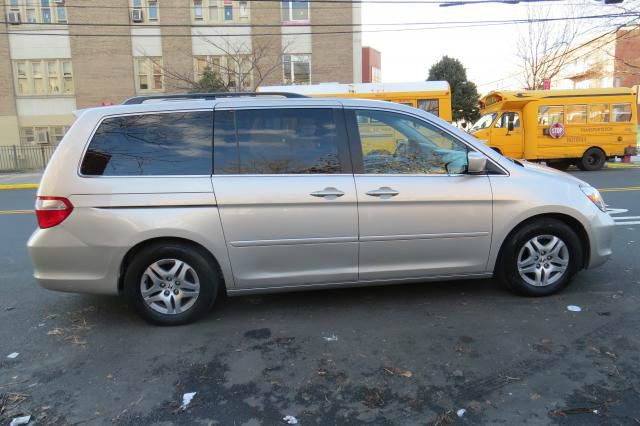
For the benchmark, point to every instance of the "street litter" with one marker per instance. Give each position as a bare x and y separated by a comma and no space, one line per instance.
13,355
290,420
20,420
332,338
461,412
186,400
574,308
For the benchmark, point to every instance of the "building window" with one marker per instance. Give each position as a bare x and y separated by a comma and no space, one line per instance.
149,76
295,11
46,77
228,11
376,75
145,11
297,69
197,10
235,72
41,135
39,11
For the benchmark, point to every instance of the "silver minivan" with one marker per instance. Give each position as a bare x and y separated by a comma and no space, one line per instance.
170,203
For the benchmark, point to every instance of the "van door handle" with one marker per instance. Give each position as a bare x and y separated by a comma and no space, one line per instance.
383,192
329,193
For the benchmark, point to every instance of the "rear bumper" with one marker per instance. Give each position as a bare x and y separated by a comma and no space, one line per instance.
601,238
61,262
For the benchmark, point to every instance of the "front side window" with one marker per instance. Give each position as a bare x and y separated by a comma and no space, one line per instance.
176,143
576,114
277,141
503,121
44,77
599,113
394,143
484,122
297,69
295,10
149,75
429,105
621,113
548,115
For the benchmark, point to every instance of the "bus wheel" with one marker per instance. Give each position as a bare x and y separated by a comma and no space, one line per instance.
560,164
593,159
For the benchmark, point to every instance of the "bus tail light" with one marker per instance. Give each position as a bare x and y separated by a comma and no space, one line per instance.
51,211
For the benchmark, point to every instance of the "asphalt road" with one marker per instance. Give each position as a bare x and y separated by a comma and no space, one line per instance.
407,354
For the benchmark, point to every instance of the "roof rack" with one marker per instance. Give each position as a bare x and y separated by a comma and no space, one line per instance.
207,96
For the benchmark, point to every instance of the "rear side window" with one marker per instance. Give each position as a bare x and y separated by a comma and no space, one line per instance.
277,141
177,143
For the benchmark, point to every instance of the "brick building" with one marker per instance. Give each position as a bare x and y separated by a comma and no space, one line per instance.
63,55
371,65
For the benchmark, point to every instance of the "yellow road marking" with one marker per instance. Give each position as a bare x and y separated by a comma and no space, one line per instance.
15,211
627,188
622,165
19,186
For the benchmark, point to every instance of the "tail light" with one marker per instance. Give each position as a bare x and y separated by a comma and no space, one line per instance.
51,211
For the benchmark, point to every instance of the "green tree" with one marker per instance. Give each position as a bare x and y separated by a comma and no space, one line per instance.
209,82
464,93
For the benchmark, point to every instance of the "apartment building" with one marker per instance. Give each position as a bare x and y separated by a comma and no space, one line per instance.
57,56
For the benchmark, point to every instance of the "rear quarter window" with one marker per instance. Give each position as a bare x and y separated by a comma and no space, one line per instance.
176,143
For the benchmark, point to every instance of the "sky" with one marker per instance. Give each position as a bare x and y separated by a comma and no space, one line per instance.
489,53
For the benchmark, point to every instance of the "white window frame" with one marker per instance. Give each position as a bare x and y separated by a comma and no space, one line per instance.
29,135
36,9
146,6
146,66
292,69
44,64
289,9
218,9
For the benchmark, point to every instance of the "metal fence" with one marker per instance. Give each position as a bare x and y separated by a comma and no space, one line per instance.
17,158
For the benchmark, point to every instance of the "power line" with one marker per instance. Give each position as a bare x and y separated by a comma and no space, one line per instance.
439,24
500,21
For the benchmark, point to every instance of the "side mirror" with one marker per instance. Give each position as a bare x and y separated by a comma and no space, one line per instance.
510,126
477,162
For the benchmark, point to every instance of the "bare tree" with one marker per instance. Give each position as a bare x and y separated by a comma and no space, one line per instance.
545,47
235,67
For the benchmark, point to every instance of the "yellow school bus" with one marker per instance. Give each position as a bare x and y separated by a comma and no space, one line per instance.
430,96
561,127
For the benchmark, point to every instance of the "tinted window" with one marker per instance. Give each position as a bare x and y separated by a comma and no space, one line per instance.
398,144
152,144
276,141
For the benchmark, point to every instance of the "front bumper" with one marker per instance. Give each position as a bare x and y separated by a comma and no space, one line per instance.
601,239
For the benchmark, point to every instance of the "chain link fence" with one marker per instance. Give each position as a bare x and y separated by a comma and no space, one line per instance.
16,158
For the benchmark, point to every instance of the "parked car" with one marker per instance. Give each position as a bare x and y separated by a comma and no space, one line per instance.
171,203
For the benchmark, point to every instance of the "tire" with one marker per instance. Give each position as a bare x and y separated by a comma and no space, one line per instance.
592,159
521,248
171,300
560,164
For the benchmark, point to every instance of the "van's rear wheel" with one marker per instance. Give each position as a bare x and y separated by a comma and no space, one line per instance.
593,159
170,284
540,258
560,164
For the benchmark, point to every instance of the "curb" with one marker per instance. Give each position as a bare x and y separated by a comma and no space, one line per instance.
19,186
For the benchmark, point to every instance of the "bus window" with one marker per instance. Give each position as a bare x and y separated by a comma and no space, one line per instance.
576,114
503,122
484,121
599,113
429,105
621,113
548,115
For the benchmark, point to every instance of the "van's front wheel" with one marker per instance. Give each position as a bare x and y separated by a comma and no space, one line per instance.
593,159
170,284
540,258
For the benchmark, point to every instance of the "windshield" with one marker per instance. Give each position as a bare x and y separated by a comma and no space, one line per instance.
484,121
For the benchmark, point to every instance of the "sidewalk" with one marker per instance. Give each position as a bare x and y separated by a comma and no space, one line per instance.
19,180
